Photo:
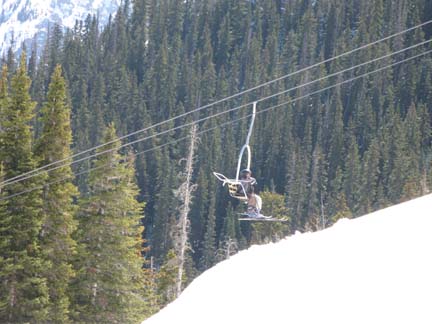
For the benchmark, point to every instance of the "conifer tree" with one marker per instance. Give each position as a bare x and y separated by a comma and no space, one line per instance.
58,225
342,208
335,134
4,100
81,121
369,179
230,236
315,194
165,206
109,268
198,213
411,187
298,183
166,279
398,162
352,178
209,242
274,205
224,40
23,291
207,70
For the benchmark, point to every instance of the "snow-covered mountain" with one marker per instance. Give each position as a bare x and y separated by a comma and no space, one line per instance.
373,269
23,19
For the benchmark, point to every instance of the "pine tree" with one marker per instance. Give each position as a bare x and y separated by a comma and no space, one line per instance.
330,34
4,99
55,36
335,131
209,241
224,43
296,186
23,292
109,268
369,180
198,213
412,185
229,244
274,205
166,279
139,36
316,192
206,69
81,121
59,193
352,178
343,211
164,210
397,165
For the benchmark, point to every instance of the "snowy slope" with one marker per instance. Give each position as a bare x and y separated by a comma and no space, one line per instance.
22,19
373,269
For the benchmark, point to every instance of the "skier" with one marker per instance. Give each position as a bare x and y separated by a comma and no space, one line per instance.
254,202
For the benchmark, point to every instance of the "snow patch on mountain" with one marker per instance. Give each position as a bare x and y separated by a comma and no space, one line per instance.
372,269
22,20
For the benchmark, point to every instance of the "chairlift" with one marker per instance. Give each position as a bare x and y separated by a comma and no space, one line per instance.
235,186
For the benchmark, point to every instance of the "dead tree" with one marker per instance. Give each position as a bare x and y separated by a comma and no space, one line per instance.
184,194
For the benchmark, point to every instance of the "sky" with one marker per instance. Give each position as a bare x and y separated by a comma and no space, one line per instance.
373,269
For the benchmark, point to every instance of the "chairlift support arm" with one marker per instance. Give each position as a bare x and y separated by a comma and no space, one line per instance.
234,183
246,145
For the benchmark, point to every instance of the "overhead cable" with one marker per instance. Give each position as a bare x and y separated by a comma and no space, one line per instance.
230,122
39,171
10,180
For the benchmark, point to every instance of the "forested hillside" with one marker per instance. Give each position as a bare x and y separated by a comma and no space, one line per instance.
343,152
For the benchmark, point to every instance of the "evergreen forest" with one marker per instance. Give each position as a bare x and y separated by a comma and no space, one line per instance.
114,233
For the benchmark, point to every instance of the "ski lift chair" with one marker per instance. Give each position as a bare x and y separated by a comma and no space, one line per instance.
235,186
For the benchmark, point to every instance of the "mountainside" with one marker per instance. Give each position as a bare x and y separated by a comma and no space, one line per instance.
374,269
343,128
21,20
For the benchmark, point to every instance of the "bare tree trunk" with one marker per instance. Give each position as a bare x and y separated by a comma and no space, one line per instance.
323,218
184,193
424,184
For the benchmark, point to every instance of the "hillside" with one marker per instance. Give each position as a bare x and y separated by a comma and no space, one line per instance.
374,269
314,139
108,209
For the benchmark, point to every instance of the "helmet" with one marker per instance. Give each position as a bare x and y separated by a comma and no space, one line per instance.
244,171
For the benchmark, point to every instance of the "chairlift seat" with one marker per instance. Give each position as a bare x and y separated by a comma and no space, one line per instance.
235,187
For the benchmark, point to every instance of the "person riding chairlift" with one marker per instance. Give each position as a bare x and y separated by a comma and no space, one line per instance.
254,202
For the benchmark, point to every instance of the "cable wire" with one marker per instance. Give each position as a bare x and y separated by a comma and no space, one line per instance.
229,122
34,173
222,100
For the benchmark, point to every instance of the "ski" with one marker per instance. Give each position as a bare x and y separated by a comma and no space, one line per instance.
261,218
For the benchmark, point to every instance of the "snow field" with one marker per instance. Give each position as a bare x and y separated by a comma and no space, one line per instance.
373,269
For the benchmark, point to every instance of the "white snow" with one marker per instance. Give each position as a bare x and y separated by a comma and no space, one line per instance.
373,269
22,19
